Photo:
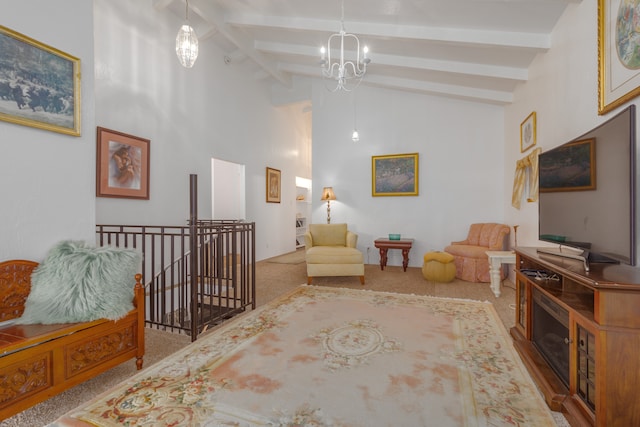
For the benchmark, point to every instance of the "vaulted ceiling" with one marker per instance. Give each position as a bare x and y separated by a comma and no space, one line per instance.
467,49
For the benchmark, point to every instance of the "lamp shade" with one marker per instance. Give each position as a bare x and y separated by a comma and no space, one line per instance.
327,194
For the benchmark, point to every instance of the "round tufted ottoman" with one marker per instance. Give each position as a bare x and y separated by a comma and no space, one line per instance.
438,267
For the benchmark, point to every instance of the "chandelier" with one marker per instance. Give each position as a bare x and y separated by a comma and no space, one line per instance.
187,43
348,74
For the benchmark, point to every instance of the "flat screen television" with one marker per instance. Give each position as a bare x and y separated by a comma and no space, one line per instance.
587,199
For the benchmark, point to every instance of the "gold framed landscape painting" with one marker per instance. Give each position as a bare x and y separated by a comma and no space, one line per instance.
39,84
122,167
394,175
570,167
618,54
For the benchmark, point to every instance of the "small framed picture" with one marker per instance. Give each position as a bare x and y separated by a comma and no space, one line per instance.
122,165
528,132
273,185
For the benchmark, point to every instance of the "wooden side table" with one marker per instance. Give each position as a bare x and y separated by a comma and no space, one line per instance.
385,244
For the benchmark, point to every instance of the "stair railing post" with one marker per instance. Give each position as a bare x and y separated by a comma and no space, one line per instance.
193,243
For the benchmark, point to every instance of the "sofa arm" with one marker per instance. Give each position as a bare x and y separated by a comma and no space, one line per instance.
308,240
352,239
501,242
461,242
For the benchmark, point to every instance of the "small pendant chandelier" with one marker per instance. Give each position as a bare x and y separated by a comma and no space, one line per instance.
187,43
348,74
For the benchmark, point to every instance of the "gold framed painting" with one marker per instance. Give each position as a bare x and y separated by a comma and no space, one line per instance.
122,167
528,132
618,54
579,158
39,84
273,185
394,175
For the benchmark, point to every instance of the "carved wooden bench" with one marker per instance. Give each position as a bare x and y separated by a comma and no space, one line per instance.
40,361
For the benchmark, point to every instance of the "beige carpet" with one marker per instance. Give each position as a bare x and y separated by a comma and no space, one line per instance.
295,257
321,356
273,280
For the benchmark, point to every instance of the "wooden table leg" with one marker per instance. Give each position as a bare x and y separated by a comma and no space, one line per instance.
383,258
405,259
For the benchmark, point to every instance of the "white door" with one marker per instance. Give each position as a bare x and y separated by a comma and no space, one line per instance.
227,185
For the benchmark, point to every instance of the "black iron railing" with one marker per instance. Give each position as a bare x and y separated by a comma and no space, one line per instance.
195,276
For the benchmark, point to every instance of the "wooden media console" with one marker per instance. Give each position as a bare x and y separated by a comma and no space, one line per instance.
578,333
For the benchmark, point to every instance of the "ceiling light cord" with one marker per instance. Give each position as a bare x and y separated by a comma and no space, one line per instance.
355,136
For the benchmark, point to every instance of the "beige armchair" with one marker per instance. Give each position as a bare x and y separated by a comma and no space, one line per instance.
331,251
472,263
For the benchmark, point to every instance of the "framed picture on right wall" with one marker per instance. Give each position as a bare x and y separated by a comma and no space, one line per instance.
618,54
528,132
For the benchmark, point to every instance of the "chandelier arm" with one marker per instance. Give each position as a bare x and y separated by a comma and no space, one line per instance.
332,70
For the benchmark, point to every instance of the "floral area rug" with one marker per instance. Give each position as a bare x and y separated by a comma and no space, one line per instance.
321,356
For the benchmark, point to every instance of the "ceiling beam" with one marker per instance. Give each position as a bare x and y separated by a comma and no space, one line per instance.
473,69
457,91
161,4
441,89
510,39
211,13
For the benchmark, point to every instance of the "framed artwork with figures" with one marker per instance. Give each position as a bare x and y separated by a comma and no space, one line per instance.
39,84
273,185
122,167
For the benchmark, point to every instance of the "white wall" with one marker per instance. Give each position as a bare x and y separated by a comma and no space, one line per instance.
47,179
212,110
563,90
467,151
461,157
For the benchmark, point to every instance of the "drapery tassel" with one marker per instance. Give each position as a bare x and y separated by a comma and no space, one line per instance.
530,163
